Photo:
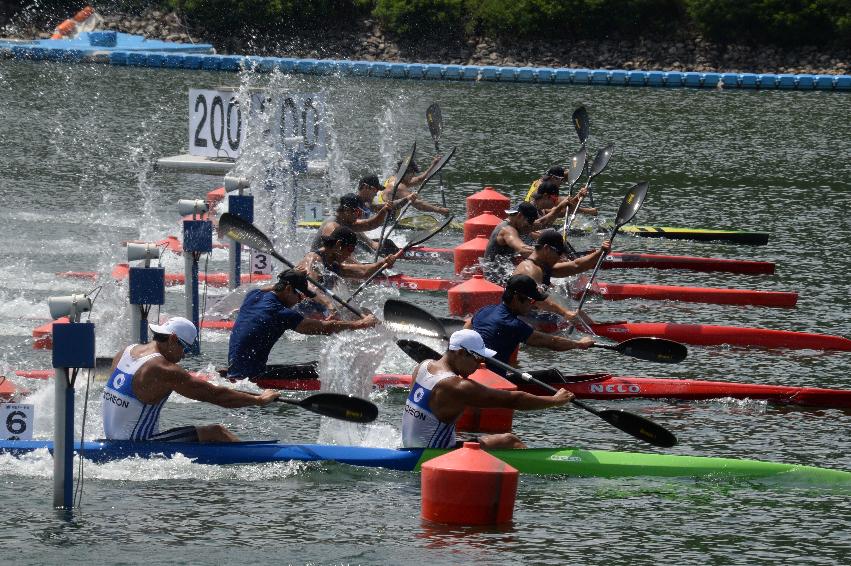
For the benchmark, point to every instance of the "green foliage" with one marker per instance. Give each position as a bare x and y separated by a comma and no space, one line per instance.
575,18
417,18
230,16
781,22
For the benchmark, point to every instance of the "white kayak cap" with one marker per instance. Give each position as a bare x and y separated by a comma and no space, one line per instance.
471,341
179,326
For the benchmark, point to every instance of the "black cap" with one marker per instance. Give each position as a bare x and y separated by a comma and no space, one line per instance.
525,286
370,181
556,171
296,279
350,200
527,209
553,239
547,188
342,234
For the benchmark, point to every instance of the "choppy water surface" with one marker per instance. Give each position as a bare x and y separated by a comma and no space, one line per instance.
77,178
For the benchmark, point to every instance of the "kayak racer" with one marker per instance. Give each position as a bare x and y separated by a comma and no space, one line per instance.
547,261
410,181
145,375
349,213
441,391
502,329
332,261
268,312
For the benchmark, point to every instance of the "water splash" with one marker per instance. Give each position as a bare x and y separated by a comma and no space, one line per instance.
347,363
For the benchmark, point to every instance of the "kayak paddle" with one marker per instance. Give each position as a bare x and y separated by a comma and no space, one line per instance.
576,167
601,161
247,233
338,406
632,201
644,348
400,172
632,424
416,242
582,125
434,170
650,349
434,118
404,313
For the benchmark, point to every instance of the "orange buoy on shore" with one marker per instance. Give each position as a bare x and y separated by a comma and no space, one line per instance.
67,27
468,253
473,294
475,419
488,200
468,486
481,225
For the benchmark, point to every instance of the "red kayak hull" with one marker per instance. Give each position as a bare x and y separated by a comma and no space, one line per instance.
708,295
715,335
589,386
608,387
609,291
627,260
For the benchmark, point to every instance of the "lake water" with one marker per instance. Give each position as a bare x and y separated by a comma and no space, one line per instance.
77,150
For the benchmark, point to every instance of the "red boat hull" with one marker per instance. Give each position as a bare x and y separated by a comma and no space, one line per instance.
627,260
605,386
590,386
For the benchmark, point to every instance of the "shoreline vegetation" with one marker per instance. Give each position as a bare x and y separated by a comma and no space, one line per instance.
370,30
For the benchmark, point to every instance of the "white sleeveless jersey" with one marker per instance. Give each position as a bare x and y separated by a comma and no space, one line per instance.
124,416
420,428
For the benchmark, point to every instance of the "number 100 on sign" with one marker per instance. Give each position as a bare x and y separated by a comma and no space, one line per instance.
221,121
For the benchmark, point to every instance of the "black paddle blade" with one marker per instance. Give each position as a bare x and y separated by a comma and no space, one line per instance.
582,124
435,122
653,350
576,166
632,201
639,427
338,406
436,168
403,168
601,160
244,232
417,351
403,312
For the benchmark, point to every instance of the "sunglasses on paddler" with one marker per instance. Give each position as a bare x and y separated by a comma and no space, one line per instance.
187,348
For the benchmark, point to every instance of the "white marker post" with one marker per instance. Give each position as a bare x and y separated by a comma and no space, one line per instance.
73,347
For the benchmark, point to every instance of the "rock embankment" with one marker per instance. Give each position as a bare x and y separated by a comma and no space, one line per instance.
366,40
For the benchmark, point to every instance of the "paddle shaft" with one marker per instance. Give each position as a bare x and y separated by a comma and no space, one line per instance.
407,247
319,285
418,189
642,433
400,172
635,198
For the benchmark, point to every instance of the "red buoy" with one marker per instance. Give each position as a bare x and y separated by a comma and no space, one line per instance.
468,253
487,200
468,486
481,225
475,419
473,294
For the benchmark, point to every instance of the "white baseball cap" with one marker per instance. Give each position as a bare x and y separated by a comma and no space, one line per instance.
471,341
179,326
